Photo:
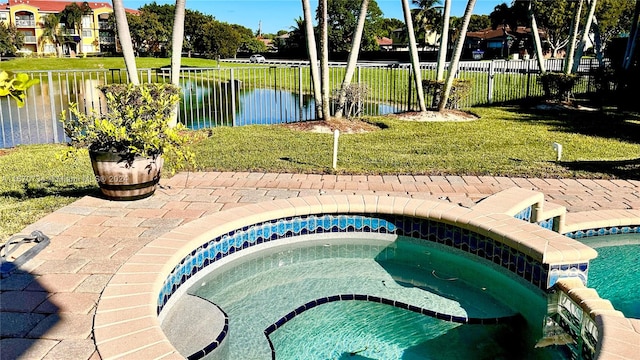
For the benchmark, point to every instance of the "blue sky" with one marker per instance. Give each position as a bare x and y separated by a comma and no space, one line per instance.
280,14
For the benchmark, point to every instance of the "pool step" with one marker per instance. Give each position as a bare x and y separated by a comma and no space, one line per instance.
527,205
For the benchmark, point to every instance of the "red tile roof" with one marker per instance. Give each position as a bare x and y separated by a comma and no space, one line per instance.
490,33
59,5
384,41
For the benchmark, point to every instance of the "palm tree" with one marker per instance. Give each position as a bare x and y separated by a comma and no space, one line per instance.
415,61
455,59
633,38
537,44
353,58
51,32
72,16
444,41
571,46
176,54
313,57
584,37
427,17
122,27
324,59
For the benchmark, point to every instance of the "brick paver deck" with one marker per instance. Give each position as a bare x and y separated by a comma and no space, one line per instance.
47,308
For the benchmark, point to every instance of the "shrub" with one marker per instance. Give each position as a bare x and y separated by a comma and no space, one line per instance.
355,94
136,123
459,91
558,86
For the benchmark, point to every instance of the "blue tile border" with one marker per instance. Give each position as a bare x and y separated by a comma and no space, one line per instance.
525,214
612,230
361,297
526,267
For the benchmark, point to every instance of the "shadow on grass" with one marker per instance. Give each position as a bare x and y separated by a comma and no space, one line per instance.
607,123
45,188
624,169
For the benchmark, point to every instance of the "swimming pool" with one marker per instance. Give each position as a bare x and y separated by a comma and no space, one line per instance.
414,285
511,230
615,273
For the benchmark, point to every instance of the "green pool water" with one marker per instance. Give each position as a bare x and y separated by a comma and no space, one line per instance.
615,273
258,290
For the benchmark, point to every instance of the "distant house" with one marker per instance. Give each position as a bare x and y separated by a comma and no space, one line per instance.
269,43
501,42
385,43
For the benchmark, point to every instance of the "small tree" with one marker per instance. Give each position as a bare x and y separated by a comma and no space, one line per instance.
221,40
11,40
72,15
51,32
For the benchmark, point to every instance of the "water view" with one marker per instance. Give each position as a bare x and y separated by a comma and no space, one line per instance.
204,104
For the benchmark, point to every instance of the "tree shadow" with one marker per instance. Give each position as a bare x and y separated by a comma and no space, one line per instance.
45,188
609,123
26,314
623,169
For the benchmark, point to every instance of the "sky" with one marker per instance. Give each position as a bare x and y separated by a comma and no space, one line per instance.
274,15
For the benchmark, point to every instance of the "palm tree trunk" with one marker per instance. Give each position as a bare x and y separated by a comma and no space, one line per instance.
313,57
415,60
597,42
324,60
585,37
353,59
536,39
633,38
444,41
176,53
455,59
571,46
125,41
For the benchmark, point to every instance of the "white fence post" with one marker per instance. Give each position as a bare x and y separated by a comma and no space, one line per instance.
52,104
300,97
490,76
233,99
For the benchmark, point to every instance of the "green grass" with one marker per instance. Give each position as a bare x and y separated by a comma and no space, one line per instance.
34,183
505,141
94,63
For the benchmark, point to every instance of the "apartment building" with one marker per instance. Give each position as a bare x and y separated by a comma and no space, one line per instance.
96,36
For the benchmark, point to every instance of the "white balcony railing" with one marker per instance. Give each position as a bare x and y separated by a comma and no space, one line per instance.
107,39
25,23
30,39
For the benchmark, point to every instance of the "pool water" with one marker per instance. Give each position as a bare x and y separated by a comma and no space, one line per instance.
365,330
258,290
615,273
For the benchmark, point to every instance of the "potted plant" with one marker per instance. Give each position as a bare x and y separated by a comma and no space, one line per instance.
129,142
15,87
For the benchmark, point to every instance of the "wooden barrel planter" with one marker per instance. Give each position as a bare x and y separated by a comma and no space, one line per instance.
122,177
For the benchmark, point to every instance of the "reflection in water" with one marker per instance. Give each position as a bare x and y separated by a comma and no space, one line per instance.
204,104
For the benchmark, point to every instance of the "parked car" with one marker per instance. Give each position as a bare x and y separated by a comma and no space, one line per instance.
257,58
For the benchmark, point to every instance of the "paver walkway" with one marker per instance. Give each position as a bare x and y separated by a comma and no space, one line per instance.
46,309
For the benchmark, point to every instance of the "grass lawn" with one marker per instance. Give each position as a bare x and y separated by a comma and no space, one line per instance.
94,63
506,141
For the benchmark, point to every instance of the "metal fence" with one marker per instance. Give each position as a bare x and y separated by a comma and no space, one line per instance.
269,94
